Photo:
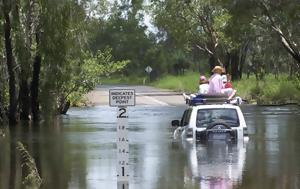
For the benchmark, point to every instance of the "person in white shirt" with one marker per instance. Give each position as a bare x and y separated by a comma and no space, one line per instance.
203,85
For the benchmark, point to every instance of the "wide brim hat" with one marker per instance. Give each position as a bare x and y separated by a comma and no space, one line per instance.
217,68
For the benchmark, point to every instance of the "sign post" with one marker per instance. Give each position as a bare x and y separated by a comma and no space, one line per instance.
122,98
148,69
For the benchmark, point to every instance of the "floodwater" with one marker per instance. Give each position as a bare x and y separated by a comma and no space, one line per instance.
79,151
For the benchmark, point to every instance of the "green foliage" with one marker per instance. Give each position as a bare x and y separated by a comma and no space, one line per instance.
57,32
79,41
88,75
269,91
283,92
124,33
32,180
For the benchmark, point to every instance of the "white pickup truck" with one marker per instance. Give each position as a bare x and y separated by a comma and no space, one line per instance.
211,122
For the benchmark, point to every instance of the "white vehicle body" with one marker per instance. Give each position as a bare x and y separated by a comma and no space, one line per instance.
211,121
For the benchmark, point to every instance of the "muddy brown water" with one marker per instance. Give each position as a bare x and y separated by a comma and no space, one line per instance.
79,151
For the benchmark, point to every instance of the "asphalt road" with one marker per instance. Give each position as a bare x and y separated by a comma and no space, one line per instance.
145,95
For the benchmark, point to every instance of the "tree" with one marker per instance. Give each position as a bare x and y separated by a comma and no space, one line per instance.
284,15
124,32
196,24
47,57
10,62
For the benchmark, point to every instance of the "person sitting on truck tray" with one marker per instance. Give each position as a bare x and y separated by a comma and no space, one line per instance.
203,85
215,81
228,89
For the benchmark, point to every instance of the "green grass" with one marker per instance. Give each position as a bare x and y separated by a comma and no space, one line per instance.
268,91
185,83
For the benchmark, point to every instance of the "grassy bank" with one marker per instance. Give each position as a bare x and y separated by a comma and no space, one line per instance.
184,83
269,91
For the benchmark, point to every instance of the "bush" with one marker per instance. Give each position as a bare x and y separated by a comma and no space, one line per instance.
284,92
267,91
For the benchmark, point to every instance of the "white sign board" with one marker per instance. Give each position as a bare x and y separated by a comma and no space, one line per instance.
148,69
121,97
122,147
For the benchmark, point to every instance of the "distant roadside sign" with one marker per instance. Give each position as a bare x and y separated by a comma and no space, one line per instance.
121,97
148,69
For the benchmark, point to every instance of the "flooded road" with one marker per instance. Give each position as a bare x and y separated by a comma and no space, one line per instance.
79,151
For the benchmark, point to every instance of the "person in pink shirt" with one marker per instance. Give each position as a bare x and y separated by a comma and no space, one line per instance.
215,81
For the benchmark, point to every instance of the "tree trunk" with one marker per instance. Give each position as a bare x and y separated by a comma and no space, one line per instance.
227,62
35,87
234,66
2,114
64,107
212,62
243,55
13,101
24,100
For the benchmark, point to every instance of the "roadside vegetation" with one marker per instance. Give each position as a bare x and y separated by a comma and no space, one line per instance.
270,91
53,52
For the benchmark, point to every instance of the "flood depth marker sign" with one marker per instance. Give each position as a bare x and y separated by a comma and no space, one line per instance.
122,98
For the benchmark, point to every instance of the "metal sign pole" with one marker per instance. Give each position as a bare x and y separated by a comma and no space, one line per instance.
148,69
122,98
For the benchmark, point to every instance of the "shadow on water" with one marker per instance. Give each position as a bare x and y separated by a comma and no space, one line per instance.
79,151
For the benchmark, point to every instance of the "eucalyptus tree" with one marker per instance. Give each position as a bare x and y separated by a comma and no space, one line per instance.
269,25
70,69
47,57
283,17
2,84
197,24
124,31
25,19
7,8
231,33
2,74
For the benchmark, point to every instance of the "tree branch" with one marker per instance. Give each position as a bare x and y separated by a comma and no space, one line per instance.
288,44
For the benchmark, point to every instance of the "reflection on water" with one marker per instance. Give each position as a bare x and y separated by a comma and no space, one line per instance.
217,164
79,151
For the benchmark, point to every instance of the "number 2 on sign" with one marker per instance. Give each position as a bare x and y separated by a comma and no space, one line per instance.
122,112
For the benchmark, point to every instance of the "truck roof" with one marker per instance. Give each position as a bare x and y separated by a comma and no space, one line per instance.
212,106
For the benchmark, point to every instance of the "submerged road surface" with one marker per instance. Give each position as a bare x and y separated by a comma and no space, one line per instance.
145,95
79,151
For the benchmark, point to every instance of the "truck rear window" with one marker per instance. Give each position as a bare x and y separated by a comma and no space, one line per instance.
206,117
